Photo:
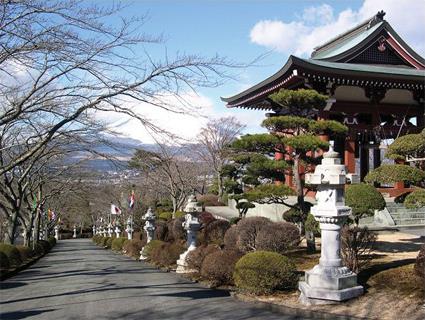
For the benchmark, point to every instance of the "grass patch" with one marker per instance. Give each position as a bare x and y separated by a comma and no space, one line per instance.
402,279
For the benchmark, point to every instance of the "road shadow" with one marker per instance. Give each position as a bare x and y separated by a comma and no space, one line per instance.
22,314
10,285
408,245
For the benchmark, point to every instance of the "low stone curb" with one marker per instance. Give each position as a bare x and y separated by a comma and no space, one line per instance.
296,312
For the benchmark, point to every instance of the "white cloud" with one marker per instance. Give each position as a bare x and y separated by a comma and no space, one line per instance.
184,125
318,24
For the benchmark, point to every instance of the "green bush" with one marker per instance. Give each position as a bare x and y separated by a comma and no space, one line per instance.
52,241
104,241
38,248
179,214
264,272
219,266
312,225
415,200
108,243
12,254
97,238
25,252
166,254
117,243
150,246
234,220
4,262
45,244
363,199
165,216
133,247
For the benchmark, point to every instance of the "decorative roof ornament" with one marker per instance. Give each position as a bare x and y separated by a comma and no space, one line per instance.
379,17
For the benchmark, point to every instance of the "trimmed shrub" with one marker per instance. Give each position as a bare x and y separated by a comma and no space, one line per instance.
219,266
45,244
166,254
356,247
215,231
415,200
363,199
150,246
118,243
165,216
25,252
52,241
4,262
278,237
38,249
210,200
104,241
161,231
264,272
179,214
177,231
132,247
231,237
420,263
195,257
311,225
248,229
108,243
96,238
205,218
234,220
12,254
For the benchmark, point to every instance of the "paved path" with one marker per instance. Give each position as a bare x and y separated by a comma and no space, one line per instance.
78,280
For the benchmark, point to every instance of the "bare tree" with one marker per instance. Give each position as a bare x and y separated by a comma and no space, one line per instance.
61,62
215,139
170,169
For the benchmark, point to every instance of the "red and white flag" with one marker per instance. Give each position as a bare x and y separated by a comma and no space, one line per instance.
115,209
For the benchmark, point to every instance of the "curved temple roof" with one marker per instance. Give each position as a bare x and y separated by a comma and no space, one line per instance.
334,59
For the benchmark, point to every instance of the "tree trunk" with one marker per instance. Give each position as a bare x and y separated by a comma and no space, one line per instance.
11,228
27,237
299,185
220,185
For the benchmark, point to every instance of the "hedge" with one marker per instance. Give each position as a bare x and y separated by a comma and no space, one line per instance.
12,254
264,272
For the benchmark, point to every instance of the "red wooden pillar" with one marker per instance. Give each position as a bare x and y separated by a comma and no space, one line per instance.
288,176
350,155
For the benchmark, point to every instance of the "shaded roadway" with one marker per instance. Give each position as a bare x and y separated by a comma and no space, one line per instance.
78,280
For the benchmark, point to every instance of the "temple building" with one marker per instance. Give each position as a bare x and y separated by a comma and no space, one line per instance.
375,83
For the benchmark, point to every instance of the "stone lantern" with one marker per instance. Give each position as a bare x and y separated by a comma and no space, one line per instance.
104,232
129,229
56,232
149,227
330,280
94,230
110,230
192,226
117,230
75,232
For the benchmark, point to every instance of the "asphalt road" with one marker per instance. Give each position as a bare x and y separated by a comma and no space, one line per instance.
78,280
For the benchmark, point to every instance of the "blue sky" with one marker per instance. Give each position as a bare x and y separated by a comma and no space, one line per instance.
244,30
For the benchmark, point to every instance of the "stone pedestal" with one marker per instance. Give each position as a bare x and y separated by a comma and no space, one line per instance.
57,232
191,225
329,280
150,230
94,230
110,230
75,233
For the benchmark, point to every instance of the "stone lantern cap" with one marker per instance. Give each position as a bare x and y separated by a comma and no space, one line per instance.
192,205
330,171
150,215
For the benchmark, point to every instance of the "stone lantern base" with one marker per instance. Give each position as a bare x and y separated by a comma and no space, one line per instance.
323,285
182,263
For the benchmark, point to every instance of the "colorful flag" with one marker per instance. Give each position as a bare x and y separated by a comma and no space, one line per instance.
131,200
115,209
